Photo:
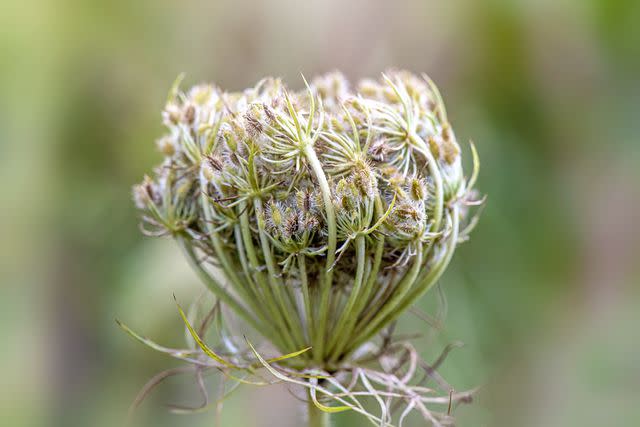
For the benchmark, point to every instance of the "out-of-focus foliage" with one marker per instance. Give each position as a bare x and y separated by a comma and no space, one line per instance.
545,295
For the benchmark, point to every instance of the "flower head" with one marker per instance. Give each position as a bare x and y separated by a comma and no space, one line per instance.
329,211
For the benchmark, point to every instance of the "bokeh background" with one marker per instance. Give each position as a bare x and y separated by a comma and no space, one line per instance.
545,295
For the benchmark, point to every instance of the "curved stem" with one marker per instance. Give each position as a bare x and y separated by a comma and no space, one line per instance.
217,288
228,269
325,289
426,282
423,285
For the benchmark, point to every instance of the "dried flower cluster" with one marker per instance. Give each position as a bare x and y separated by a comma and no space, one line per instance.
318,216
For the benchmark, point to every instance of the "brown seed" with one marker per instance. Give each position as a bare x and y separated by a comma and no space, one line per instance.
253,125
189,114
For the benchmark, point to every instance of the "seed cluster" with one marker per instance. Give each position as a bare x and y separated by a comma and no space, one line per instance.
328,211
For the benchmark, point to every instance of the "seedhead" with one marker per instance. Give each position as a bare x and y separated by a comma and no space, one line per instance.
318,217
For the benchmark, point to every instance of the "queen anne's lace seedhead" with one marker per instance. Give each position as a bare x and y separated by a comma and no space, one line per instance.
328,211
360,189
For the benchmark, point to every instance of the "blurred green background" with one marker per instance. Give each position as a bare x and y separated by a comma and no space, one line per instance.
545,295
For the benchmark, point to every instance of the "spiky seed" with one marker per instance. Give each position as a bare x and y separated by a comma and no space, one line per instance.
253,125
418,189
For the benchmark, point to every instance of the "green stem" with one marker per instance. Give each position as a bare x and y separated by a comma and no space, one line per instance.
425,283
218,289
390,307
256,297
369,284
325,288
308,316
316,417
422,286
348,312
221,254
245,287
276,284
269,301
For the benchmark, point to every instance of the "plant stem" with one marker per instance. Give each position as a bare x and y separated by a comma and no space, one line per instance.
316,417
390,306
269,301
338,337
276,284
325,288
218,290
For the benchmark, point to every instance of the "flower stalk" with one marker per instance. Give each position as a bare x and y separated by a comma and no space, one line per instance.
316,417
